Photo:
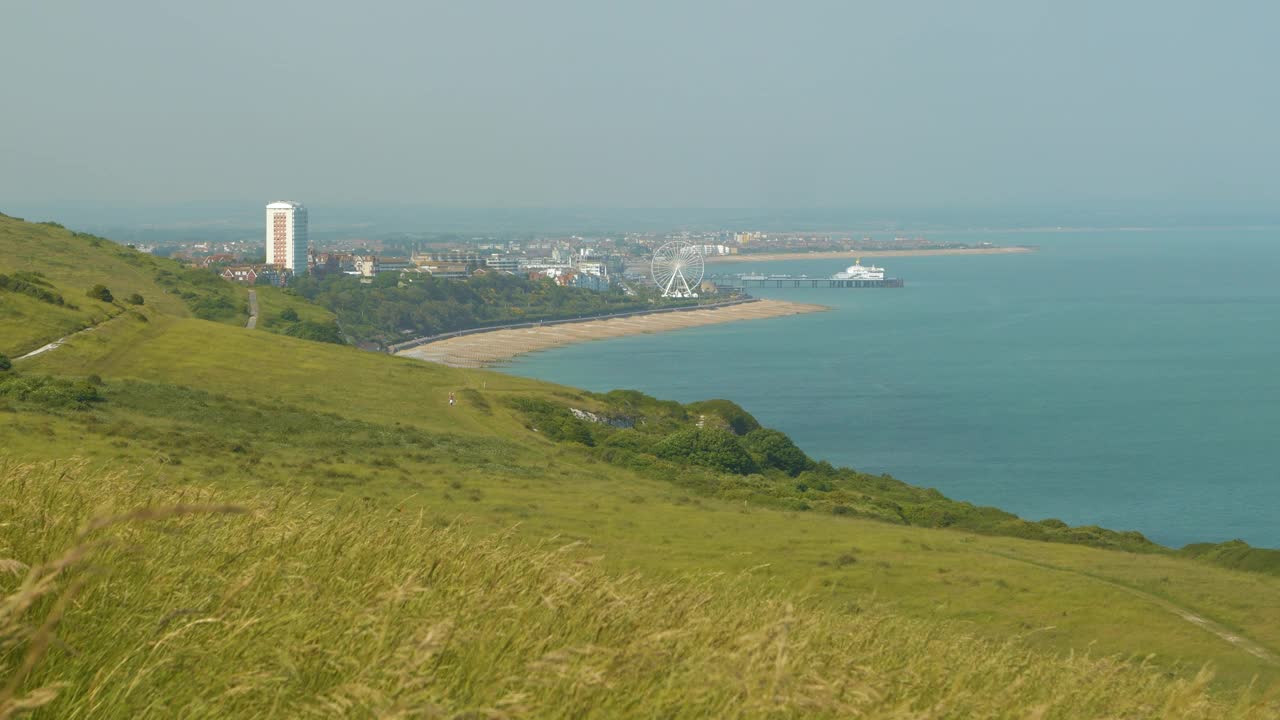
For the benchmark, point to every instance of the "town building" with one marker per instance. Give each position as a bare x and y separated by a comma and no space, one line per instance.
597,268
252,275
504,263
287,239
719,250
219,259
598,283
462,257
371,265
446,269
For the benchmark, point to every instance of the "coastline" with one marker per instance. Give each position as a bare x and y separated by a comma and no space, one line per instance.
837,254
491,348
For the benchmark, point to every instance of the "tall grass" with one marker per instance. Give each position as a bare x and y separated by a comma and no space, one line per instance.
123,597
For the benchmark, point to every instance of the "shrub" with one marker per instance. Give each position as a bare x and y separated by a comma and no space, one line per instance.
774,449
930,515
49,392
317,331
32,284
210,307
5,363
289,315
1236,554
632,440
712,447
134,299
100,292
554,421
730,413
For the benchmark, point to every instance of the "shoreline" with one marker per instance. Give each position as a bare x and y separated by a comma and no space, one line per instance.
492,348
838,254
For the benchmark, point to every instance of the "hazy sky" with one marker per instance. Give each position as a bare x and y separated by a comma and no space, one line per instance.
641,104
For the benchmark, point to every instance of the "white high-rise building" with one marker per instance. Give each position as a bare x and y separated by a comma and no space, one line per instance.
287,236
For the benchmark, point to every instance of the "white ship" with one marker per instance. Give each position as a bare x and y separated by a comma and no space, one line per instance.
858,271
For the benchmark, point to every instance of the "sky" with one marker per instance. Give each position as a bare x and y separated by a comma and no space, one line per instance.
947,105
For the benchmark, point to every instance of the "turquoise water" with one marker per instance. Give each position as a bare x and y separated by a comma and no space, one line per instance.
1125,379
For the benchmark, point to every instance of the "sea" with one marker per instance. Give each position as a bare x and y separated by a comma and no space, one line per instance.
1123,378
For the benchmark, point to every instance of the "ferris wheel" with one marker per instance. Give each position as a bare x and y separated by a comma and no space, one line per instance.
677,269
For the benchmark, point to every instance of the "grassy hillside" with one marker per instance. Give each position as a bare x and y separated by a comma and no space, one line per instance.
359,478
233,604
69,264
180,401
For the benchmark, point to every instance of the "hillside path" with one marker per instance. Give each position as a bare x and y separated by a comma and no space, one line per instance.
1204,623
253,310
59,342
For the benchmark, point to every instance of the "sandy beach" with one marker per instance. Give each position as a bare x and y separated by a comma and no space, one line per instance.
836,254
484,349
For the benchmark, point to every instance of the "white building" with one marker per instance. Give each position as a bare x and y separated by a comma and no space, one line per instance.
593,268
287,236
505,263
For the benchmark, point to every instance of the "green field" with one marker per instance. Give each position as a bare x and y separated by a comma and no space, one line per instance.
399,555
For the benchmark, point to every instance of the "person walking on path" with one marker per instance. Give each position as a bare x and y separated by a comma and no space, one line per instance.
451,400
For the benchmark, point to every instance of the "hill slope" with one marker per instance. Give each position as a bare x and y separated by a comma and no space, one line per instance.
68,264
294,609
322,440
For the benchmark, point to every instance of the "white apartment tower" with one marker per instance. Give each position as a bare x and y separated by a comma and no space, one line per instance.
287,236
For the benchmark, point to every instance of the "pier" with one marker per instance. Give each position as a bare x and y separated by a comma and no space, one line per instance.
743,281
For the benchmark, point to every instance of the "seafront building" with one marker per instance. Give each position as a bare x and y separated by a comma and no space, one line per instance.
287,241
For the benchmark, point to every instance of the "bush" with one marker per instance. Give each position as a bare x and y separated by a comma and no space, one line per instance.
49,392
100,292
553,421
134,299
1236,554
32,284
774,449
730,413
5,363
289,315
712,447
633,440
316,331
211,307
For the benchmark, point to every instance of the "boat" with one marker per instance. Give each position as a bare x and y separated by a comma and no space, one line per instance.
858,271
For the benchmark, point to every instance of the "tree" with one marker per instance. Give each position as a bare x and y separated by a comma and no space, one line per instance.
712,447
386,280
134,299
774,449
100,292
734,417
